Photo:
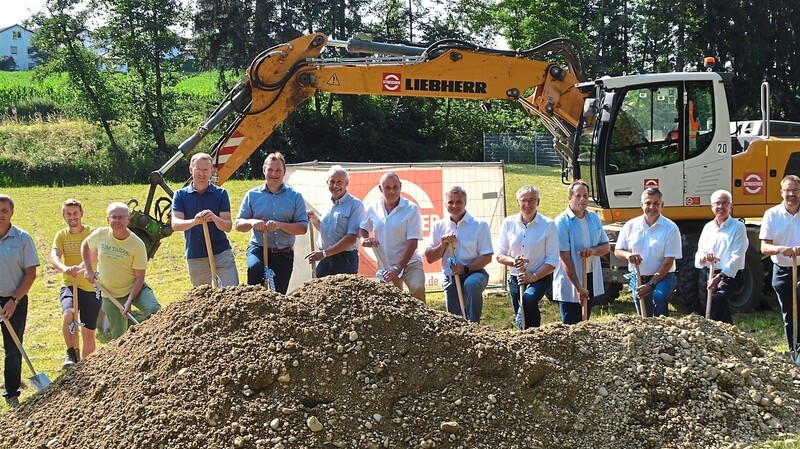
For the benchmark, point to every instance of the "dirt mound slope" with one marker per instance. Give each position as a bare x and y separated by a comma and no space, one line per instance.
347,362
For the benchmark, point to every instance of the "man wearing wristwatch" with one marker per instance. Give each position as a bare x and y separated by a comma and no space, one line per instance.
396,225
120,258
336,249
580,237
472,249
652,242
18,262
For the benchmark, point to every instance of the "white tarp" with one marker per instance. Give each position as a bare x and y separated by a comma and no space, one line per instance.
425,185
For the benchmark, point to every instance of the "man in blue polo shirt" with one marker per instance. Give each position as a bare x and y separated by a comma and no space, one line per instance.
202,202
281,212
337,247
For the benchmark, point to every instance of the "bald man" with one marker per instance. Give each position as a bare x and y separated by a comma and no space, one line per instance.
393,226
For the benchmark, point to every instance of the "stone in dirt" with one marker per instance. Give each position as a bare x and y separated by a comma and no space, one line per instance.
347,362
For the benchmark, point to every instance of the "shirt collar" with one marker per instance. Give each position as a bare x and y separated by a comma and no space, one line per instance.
341,200
263,187
12,232
466,219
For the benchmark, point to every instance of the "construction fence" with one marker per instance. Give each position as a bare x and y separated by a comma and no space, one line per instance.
520,148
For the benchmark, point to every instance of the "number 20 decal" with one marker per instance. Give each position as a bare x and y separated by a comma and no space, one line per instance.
722,148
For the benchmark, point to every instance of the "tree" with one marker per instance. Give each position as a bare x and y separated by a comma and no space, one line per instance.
221,37
7,64
141,33
60,31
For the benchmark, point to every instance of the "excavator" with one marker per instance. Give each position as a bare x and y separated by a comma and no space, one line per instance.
619,134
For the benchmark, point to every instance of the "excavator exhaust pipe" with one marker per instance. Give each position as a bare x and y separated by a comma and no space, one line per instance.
356,45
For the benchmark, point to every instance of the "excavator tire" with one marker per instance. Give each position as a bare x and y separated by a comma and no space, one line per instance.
749,297
687,295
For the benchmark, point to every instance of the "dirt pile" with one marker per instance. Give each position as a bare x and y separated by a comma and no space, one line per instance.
347,362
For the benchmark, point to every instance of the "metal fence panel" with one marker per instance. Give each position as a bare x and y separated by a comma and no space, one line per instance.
520,148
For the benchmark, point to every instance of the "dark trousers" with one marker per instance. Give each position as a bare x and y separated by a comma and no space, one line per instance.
280,263
345,262
530,299
782,283
720,300
572,312
12,368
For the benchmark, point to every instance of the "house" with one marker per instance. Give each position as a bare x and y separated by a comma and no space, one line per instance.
15,41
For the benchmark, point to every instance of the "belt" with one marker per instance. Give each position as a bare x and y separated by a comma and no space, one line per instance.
288,249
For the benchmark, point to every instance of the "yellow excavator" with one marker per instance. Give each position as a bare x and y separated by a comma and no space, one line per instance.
620,134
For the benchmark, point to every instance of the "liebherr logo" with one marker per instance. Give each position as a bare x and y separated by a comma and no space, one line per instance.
393,82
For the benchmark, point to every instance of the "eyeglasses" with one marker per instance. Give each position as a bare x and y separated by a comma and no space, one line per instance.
721,203
792,191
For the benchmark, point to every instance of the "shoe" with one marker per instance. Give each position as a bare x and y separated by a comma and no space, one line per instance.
69,362
12,402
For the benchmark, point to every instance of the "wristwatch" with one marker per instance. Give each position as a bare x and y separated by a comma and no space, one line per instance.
15,299
324,254
651,285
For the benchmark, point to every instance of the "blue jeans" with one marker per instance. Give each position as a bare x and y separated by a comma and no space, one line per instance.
572,312
282,264
659,299
782,283
345,262
530,299
473,286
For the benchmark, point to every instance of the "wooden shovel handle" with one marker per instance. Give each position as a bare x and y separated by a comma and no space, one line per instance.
210,250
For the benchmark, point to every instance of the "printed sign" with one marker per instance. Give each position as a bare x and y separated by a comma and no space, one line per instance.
651,182
753,183
391,82
692,200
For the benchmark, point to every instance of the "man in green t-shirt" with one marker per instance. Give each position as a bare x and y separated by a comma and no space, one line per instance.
65,256
121,259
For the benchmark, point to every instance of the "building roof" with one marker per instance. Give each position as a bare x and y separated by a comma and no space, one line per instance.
15,25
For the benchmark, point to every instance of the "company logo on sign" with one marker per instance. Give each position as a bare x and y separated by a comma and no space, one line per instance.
391,82
692,200
423,187
652,182
753,183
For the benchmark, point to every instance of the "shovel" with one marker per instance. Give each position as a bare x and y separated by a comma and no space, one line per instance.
269,275
642,301
75,325
793,355
381,273
459,289
521,308
39,380
311,240
584,283
113,300
710,294
215,280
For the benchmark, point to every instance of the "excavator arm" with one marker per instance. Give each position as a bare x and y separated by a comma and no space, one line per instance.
281,78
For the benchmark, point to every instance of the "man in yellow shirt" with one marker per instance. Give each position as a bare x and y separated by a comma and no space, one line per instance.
121,259
65,256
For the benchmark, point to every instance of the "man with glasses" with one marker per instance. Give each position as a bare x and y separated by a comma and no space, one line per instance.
723,242
336,249
651,243
780,239
121,260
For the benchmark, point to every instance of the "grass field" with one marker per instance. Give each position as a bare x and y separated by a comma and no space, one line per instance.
38,212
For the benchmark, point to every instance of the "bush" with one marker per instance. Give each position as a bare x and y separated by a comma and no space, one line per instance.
33,108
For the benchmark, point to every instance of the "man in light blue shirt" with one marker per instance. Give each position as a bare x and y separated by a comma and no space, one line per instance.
580,236
336,250
280,212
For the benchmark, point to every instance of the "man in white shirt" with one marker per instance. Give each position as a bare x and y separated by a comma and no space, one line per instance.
723,241
472,243
529,245
396,226
652,242
780,238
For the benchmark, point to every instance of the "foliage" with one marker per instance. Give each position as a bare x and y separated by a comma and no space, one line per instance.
59,35
7,63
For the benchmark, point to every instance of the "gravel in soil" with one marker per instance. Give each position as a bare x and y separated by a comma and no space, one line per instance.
346,362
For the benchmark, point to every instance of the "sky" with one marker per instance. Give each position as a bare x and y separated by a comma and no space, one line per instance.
15,11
